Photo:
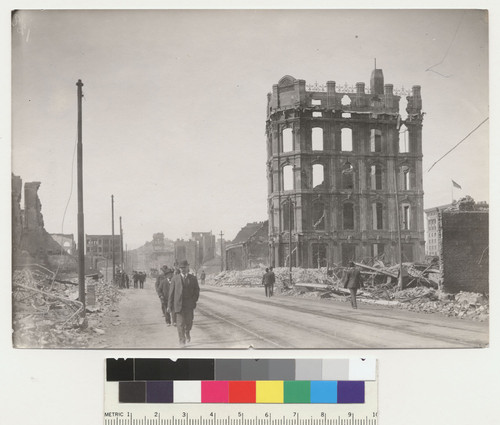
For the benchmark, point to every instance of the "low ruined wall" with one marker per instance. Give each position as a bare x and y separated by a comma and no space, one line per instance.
465,251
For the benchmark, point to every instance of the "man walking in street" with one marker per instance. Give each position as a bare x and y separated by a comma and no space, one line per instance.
352,281
264,282
162,286
183,295
271,280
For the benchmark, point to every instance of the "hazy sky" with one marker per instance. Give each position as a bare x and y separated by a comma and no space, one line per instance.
175,101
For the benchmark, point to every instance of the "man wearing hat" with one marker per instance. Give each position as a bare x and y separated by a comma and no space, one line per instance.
352,281
182,298
162,286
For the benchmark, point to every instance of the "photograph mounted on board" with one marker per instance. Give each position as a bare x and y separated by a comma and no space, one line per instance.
273,179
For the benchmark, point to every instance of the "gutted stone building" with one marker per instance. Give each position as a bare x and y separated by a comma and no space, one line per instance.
334,157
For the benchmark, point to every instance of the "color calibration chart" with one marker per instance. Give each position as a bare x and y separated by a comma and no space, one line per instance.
158,391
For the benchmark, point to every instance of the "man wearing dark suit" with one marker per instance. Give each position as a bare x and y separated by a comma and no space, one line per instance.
183,295
352,281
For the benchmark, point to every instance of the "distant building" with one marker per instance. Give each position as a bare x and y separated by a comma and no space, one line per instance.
206,245
66,241
102,246
433,233
187,250
250,247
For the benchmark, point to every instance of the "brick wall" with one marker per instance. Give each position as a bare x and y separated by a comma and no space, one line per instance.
465,251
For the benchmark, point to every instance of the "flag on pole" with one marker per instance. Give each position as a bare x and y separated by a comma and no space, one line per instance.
455,184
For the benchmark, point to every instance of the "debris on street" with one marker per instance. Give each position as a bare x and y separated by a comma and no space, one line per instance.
422,287
47,312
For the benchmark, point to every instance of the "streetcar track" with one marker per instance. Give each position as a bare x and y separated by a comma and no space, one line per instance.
363,321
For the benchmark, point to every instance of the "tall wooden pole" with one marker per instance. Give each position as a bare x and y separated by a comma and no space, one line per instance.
400,278
113,235
121,243
290,237
221,253
81,232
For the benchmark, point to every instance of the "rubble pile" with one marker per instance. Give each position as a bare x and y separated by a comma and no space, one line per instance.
421,293
46,310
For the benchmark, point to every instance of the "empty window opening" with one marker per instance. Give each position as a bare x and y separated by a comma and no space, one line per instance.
346,140
404,140
347,176
405,216
405,178
287,140
407,253
378,250
288,216
317,114
318,175
319,254
346,100
348,216
316,102
376,177
318,216
346,115
375,140
378,222
348,253
287,177
317,139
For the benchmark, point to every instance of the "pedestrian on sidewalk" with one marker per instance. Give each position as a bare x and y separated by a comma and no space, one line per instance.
352,281
264,282
162,286
271,280
183,295
202,277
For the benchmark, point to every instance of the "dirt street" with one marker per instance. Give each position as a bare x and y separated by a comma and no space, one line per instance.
237,317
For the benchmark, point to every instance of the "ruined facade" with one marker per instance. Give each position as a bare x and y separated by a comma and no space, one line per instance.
206,245
334,156
250,247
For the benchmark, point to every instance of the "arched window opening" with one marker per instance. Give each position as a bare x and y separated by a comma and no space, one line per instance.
346,100
287,177
378,250
376,177
287,140
348,176
346,140
377,210
375,140
317,139
318,175
405,177
288,215
348,216
318,216
319,254
404,140
405,216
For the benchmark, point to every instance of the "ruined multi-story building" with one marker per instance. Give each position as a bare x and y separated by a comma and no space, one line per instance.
334,156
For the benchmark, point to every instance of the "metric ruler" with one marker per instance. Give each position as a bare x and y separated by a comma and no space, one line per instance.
151,392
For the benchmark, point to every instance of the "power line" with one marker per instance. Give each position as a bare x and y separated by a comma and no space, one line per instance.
486,119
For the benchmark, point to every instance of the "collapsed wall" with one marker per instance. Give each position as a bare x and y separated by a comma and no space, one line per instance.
30,241
465,251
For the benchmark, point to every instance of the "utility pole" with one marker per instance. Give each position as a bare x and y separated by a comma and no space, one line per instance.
81,232
121,245
113,234
290,237
400,277
221,253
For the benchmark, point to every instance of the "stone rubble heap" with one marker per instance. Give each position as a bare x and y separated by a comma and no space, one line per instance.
378,289
47,313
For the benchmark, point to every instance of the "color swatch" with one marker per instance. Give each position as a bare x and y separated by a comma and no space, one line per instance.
274,381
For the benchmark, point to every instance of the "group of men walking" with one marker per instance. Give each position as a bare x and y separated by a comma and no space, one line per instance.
178,291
